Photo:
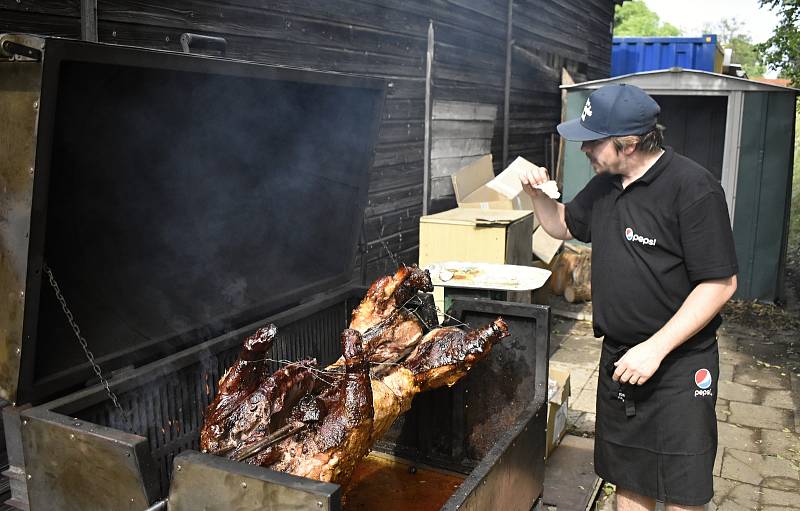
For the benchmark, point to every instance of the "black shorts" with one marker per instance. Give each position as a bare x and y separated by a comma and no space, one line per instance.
660,439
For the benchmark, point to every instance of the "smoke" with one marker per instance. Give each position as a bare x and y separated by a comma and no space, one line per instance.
185,204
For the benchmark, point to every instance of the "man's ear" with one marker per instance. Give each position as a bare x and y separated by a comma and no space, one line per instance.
629,149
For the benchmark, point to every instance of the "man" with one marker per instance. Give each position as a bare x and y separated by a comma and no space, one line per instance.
663,265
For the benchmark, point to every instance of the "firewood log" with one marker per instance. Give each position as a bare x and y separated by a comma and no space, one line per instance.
562,271
580,288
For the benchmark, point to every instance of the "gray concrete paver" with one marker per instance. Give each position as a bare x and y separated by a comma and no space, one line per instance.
773,497
759,470
576,342
758,416
758,458
575,357
741,437
778,399
718,461
781,443
586,401
761,377
730,356
726,371
734,496
578,376
738,392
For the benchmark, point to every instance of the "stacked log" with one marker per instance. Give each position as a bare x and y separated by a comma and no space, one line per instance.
572,272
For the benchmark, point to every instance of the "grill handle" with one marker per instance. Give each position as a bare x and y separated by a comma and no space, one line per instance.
193,42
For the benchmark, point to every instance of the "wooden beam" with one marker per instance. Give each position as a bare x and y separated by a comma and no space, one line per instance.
507,98
89,20
426,184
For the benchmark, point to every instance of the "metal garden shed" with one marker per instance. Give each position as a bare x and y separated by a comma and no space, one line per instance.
743,132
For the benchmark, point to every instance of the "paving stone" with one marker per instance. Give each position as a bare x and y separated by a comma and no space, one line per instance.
738,437
723,410
591,383
726,341
761,377
795,378
586,401
580,423
780,443
718,461
746,414
745,334
577,342
780,498
737,392
726,371
734,496
778,399
729,356
576,358
758,470
579,377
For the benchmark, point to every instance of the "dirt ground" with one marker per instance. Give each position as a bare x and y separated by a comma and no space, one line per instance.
775,327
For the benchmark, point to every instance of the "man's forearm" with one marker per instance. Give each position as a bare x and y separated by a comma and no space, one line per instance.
699,308
551,216
703,303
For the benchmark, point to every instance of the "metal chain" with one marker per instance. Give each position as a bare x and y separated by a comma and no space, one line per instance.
85,345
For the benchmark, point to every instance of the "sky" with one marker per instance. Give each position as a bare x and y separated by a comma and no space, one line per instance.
691,15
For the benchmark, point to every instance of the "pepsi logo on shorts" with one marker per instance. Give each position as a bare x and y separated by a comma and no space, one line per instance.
702,378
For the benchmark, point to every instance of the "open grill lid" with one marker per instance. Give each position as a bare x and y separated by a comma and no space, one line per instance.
178,196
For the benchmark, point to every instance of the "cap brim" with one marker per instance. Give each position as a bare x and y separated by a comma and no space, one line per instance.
575,131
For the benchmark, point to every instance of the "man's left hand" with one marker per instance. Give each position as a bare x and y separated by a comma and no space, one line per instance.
638,364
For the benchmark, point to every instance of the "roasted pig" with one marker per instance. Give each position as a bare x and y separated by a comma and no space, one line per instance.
319,423
391,317
328,448
443,357
250,403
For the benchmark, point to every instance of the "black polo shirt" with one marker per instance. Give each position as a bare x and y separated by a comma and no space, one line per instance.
652,243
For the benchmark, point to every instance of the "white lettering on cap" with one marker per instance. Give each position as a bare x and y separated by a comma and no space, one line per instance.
587,109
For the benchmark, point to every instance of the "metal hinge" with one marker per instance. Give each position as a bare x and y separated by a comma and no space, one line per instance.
18,47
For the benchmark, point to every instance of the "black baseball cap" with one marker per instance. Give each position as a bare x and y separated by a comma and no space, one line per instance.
613,111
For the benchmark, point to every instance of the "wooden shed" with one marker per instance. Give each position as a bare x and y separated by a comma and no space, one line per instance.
467,77
740,130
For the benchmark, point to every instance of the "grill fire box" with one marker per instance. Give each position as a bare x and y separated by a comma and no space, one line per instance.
180,202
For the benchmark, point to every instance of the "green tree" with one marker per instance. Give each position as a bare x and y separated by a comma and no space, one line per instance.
746,54
730,35
782,50
635,19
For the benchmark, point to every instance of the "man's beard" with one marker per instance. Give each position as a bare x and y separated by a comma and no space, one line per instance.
595,166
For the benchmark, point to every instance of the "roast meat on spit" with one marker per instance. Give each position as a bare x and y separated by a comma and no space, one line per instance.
318,423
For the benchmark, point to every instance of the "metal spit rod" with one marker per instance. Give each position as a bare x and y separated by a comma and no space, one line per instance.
159,505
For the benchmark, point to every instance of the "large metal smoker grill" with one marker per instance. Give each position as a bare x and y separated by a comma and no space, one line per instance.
183,201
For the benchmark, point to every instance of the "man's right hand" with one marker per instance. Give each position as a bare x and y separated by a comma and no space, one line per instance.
532,177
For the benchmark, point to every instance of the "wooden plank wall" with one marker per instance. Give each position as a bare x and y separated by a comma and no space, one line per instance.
384,38
462,132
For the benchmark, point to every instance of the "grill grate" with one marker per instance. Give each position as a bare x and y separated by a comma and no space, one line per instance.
168,410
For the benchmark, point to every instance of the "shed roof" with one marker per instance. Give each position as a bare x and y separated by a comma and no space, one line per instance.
677,78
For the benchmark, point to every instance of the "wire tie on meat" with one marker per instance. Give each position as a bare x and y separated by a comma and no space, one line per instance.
280,434
391,254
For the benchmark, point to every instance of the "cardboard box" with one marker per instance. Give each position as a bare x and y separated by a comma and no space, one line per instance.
557,407
476,235
472,191
545,247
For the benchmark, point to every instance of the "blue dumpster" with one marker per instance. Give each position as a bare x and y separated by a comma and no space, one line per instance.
636,54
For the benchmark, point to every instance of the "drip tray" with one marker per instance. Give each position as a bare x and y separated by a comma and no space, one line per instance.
396,484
